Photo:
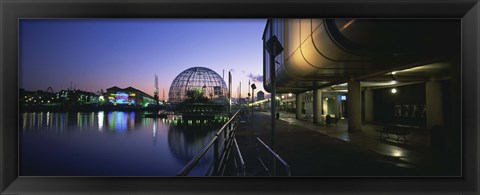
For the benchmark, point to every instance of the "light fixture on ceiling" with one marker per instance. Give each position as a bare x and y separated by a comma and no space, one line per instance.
394,91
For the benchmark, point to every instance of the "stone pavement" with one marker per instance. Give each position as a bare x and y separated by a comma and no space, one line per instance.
317,150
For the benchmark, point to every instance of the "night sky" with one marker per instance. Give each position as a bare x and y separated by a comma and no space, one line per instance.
95,54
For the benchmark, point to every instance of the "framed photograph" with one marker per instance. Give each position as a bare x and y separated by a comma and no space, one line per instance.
209,97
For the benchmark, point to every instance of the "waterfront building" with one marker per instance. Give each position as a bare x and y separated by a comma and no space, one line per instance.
389,72
287,102
203,81
69,97
38,97
77,97
128,97
260,95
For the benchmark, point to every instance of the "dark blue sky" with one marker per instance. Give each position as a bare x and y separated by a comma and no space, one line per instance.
97,54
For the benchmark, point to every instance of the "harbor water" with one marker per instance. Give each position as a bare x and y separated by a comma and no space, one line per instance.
113,143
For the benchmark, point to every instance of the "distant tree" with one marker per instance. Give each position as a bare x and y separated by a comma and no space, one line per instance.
196,96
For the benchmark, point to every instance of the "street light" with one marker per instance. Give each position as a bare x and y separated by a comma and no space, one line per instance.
274,48
253,95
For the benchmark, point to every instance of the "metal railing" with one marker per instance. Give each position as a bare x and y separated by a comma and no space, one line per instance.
221,151
238,160
274,156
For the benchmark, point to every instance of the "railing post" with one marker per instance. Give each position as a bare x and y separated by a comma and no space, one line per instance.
225,134
227,128
215,157
274,166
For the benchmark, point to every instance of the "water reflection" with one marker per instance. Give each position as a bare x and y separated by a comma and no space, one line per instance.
155,123
118,121
187,138
59,122
100,117
74,135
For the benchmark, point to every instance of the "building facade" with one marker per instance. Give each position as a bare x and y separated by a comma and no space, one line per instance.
260,95
128,97
198,80
396,72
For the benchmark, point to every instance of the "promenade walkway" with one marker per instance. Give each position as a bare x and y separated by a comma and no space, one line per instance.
317,150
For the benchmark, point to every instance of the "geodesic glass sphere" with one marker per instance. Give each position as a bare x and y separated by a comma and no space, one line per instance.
199,79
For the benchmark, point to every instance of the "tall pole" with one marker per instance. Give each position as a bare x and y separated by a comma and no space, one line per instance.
273,82
155,92
240,91
273,45
248,87
253,95
229,92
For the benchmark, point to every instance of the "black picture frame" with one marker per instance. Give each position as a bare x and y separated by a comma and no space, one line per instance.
12,10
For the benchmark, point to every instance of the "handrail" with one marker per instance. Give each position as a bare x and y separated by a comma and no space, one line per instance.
190,165
242,162
285,164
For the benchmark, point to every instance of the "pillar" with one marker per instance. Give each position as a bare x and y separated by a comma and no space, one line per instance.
368,106
354,107
317,106
434,101
298,102
338,108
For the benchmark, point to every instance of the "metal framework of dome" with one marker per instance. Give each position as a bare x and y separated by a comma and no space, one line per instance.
197,78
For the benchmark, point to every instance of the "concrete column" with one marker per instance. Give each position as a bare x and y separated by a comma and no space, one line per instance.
338,107
325,106
317,106
434,103
368,106
298,102
354,106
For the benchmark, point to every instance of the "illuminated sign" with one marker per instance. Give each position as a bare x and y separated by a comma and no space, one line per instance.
121,98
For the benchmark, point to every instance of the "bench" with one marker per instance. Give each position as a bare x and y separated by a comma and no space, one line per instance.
399,131
332,121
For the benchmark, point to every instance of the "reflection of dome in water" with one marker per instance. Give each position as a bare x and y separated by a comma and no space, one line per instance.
197,78
186,142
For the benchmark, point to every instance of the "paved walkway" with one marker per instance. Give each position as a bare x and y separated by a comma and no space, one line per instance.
415,151
317,150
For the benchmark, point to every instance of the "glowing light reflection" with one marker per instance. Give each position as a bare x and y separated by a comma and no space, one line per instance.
48,119
397,153
154,129
100,116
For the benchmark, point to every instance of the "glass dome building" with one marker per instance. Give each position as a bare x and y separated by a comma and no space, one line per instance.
198,79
